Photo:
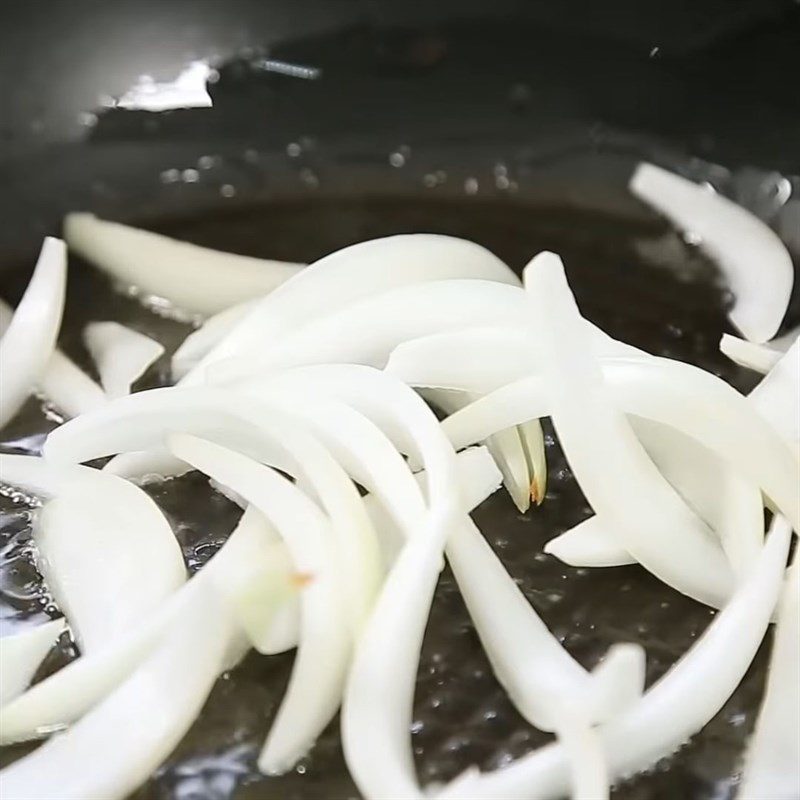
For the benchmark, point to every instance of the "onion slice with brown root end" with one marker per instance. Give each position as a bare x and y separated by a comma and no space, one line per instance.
754,261
121,355
349,275
519,453
22,653
117,745
99,536
674,393
64,384
318,674
672,710
28,342
194,279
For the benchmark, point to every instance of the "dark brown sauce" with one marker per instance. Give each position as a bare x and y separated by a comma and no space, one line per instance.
462,715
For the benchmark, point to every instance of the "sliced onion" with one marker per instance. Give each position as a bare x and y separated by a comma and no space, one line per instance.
771,767
757,357
65,696
542,679
777,399
349,275
615,473
64,384
263,432
118,745
784,342
673,709
22,653
199,343
589,544
195,279
671,392
99,536
29,340
505,446
755,262
391,317
378,700
318,674
121,354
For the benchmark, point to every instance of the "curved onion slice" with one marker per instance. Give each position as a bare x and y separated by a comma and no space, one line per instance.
263,432
22,653
64,384
673,709
758,357
732,508
777,398
671,392
522,478
771,767
753,259
349,275
193,278
103,537
116,746
589,544
199,343
425,308
121,354
64,696
318,674
29,340
377,708
605,454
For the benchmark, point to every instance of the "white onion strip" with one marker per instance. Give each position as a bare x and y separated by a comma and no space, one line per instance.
64,384
99,536
195,279
318,674
673,709
777,398
376,712
200,342
121,354
757,357
772,769
425,308
118,745
673,393
66,695
349,275
29,340
22,653
263,432
589,544
753,259
615,473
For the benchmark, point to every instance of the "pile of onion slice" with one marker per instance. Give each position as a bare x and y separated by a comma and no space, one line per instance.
304,399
